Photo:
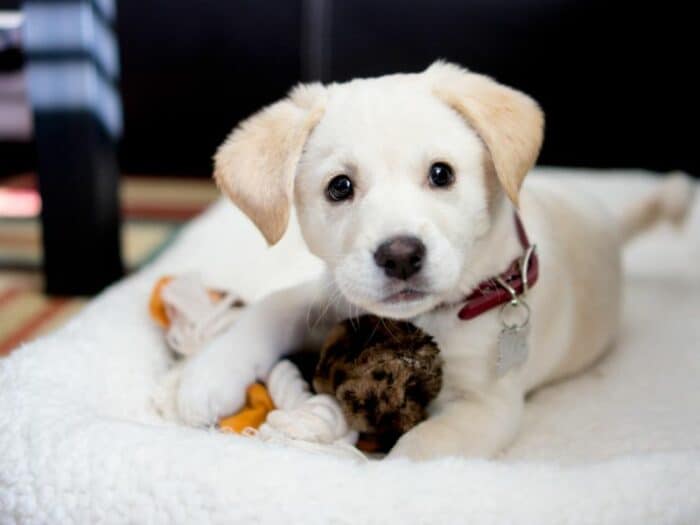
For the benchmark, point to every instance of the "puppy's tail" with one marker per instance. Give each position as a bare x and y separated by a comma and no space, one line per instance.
670,201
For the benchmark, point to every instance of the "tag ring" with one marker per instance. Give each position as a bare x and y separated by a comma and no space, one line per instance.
514,304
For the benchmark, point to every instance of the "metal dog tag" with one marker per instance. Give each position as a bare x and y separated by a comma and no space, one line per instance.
512,348
512,342
515,319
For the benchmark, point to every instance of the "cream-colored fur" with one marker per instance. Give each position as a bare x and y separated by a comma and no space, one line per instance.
384,134
509,122
255,165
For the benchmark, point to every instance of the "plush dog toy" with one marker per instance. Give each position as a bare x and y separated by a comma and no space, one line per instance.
374,376
383,373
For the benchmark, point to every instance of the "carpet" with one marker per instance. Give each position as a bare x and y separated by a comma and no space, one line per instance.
154,209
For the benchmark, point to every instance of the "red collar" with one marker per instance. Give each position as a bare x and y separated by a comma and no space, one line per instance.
490,294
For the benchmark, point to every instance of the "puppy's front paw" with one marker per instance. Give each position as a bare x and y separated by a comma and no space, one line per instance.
414,444
430,439
210,389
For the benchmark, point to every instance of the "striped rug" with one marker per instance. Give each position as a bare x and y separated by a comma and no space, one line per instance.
154,208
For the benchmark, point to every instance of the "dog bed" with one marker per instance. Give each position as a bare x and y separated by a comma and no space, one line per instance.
80,442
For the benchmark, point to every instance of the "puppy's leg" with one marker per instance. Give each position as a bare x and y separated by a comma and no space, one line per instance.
478,426
214,381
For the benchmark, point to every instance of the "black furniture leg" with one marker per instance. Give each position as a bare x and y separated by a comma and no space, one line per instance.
78,181
72,70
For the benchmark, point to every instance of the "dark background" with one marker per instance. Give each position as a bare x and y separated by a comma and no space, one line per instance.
617,80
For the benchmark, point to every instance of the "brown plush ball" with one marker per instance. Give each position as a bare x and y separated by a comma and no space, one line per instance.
383,373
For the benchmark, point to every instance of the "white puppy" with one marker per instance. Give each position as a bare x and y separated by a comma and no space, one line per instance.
407,186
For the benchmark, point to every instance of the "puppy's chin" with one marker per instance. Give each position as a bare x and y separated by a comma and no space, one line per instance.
401,305
403,309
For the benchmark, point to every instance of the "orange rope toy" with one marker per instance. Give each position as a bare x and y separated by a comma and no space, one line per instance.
258,401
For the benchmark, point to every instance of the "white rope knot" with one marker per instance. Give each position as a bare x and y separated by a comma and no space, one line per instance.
318,419
195,318
287,388
312,422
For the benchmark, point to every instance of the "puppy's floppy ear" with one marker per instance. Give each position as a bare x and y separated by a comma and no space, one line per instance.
509,122
256,164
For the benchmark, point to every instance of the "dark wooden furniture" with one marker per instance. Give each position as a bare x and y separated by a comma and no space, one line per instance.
72,72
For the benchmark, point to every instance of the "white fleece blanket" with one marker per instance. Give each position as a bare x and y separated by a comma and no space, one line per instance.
80,443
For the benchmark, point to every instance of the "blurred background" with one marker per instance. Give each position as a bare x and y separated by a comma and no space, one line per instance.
110,111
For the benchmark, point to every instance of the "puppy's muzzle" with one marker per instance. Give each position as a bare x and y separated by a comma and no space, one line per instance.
400,257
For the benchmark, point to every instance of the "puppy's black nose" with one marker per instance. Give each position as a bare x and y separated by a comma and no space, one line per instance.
401,257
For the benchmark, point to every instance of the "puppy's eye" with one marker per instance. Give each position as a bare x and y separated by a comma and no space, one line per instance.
339,188
440,175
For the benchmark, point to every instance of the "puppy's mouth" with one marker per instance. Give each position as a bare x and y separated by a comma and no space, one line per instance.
394,303
406,295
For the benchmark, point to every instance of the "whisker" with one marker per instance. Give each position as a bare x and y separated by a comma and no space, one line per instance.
388,329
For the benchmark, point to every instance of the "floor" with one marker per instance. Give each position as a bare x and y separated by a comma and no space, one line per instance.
154,208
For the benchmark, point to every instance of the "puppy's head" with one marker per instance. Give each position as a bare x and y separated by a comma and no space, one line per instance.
394,178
